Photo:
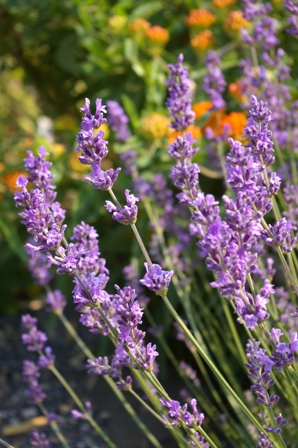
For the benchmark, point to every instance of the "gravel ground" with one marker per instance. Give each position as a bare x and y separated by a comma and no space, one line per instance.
107,410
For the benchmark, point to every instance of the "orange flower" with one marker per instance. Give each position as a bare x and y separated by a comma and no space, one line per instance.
236,121
235,21
223,3
201,108
10,179
203,40
235,89
158,34
214,122
155,125
200,18
139,26
195,130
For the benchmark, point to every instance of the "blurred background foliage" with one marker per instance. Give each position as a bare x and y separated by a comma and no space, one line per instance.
53,54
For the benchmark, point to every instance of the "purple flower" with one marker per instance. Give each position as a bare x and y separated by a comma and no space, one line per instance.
66,259
89,261
292,7
40,172
148,357
34,339
31,371
264,442
179,415
34,391
182,148
156,279
77,415
126,215
91,143
100,179
37,265
99,366
39,439
260,367
129,159
185,176
118,121
280,235
214,83
46,360
55,301
179,101
41,215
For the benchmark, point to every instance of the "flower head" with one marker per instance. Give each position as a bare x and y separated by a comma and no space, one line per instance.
126,215
118,120
156,279
179,101
158,35
200,18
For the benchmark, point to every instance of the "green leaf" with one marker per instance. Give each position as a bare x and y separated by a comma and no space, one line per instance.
130,109
146,10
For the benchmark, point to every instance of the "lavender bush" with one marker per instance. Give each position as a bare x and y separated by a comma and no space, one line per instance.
246,238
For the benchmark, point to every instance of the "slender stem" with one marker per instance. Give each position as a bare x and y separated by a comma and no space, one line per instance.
210,363
55,427
79,403
134,229
6,444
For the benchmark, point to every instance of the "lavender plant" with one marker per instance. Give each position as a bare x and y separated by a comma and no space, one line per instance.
247,239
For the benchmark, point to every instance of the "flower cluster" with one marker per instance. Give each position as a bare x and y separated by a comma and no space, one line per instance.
156,279
42,216
126,318
178,415
94,147
125,215
35,341
117,121
214,83
179,101
292,7
260,370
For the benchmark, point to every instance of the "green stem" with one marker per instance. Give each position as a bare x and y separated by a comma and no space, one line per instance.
6,444
110,382
79,403
55,427
210,364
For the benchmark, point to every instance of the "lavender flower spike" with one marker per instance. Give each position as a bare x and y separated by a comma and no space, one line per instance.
117,121
128,214
179,101
156,279
91,143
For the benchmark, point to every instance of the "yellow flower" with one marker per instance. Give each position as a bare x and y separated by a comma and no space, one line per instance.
117,23
139,26
57,149
201,108
157,34
235,21
203,40
223,3
105,128
200,18
155,125
75,164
